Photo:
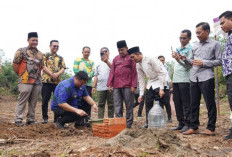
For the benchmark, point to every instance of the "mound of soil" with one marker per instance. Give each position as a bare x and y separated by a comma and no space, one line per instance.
161,139
9,131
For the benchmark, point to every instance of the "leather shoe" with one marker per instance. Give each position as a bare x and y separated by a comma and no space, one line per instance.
208,132
142,127
178,127
191,131
185,128
228,137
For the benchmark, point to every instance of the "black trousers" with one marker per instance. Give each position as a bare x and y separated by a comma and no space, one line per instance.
207,89
181,98
140,110
229,89
47,90
165,101
67,117
151,95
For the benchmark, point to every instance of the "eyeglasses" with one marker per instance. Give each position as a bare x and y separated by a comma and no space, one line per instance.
55,46
103,52
184,38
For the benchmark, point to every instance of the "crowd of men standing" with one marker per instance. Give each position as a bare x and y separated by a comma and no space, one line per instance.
124,77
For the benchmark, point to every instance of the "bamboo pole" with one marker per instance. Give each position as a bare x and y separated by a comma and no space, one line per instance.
217,88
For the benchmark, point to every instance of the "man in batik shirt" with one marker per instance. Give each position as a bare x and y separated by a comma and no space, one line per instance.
226,24
123,80
54,66
28,63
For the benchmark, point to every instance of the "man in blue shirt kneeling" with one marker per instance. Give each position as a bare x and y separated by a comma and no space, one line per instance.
67,103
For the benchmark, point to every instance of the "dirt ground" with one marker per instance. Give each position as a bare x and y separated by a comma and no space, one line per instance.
43,140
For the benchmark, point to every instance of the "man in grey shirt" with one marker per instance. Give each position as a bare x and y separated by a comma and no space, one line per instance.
206,55
100,80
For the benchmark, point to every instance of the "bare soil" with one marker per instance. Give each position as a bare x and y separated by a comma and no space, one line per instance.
43,140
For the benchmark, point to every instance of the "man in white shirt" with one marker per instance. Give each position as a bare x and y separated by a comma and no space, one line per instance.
101,76
151,68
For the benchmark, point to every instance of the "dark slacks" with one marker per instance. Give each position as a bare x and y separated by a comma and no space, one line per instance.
229,89
64,117
47,90
181,98
207,89
151,95
120,94
140,110
165,101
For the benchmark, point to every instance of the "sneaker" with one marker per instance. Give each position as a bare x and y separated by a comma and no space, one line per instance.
185,128
60,126
228,137
30,122
19,123
45,121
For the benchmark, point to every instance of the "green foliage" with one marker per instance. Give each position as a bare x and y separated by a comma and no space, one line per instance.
67,74
8,79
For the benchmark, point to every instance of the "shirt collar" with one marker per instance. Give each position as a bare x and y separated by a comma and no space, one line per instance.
186,46
208,40
29,48
53,55
84,59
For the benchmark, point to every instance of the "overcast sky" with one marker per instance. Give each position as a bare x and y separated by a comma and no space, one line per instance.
153,25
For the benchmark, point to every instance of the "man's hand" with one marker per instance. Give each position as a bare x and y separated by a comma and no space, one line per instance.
183,57
161,93
110,89
95,108
176,56
104,59
133,89
53,76
56,75
81,112
93,90
140,99
171,90
197,62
